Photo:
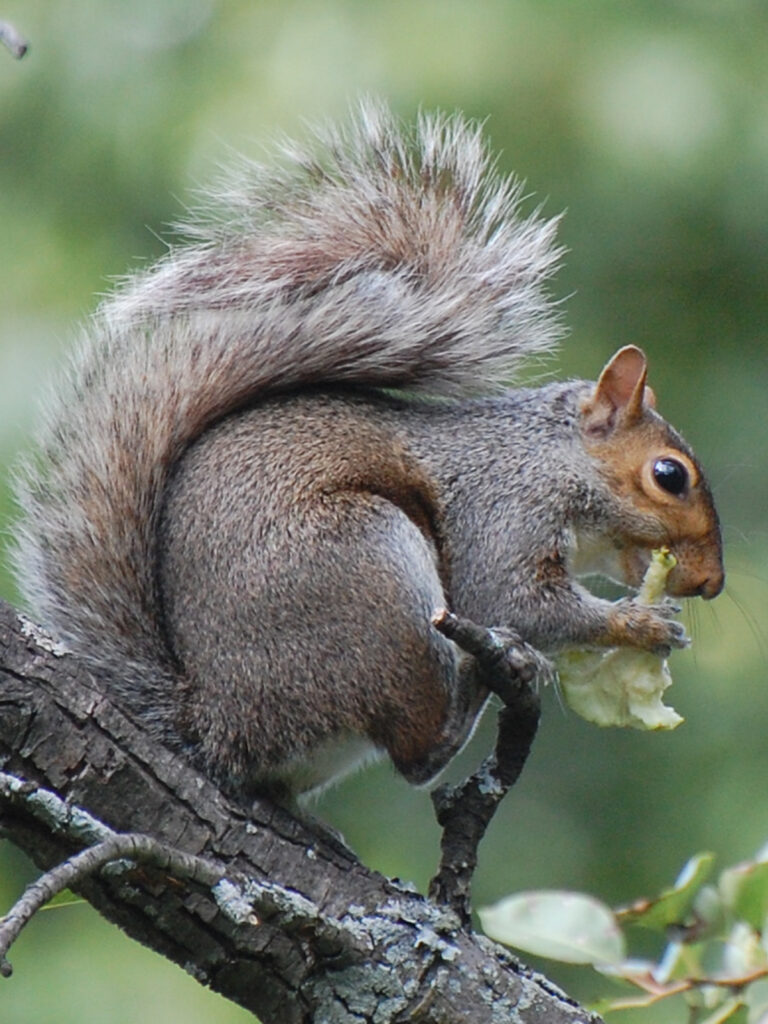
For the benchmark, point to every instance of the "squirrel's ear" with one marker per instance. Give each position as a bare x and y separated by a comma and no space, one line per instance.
620,394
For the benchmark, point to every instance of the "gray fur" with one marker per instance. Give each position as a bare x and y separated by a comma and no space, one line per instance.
228,522
379,256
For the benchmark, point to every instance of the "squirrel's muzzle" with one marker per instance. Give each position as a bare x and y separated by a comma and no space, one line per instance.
711,586
699,571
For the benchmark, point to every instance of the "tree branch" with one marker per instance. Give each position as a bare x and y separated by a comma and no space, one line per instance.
330,939
138,848
509,668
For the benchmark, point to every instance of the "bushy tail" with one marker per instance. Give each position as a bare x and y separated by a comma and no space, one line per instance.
381,256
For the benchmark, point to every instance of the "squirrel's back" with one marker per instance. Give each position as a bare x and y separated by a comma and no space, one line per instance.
382,256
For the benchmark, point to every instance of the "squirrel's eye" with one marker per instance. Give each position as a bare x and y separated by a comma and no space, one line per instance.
671,475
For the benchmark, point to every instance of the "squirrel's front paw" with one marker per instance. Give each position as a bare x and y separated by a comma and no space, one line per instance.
649,627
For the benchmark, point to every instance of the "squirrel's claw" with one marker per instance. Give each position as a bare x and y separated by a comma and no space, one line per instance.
647,627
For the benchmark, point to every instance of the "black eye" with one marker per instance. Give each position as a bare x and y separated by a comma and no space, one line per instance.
671,475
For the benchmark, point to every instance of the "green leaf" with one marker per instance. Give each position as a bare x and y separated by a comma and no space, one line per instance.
709,911
671,906
65,898
756,996
733,1010
565,926
745,890
743,952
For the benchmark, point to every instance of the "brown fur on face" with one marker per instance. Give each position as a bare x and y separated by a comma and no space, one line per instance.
627,438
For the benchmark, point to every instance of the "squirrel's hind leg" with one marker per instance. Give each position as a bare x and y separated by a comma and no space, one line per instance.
427,695
307,640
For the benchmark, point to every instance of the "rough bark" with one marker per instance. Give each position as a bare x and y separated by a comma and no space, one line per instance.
298,931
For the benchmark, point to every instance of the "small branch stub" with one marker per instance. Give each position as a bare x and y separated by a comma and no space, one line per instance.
11,39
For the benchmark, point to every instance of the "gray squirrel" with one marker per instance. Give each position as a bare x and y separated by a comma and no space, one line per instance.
282,449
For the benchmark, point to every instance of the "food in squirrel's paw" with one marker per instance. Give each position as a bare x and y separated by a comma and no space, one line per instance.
623,686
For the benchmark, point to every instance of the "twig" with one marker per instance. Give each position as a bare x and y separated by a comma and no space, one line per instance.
508,667
656,992
12,40
238,896
132,846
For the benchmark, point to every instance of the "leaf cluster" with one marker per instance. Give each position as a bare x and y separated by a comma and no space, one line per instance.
713,948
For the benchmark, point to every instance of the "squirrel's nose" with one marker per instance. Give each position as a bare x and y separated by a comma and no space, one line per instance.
712,586
684,583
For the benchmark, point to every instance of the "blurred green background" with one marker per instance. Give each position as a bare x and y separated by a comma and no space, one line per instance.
648,123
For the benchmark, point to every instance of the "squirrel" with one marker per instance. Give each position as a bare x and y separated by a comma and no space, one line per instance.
282,448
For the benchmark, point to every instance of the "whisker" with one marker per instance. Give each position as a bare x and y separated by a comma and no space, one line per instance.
754,624
740,571
691,614
734,468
